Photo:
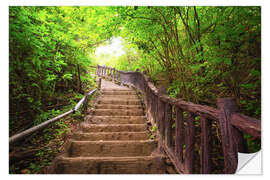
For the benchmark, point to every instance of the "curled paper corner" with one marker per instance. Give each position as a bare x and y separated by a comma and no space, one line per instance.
249,163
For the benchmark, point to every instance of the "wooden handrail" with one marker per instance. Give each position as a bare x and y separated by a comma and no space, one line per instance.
244,123
159,109
20,136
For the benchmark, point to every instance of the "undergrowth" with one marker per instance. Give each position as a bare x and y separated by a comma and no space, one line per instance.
47,143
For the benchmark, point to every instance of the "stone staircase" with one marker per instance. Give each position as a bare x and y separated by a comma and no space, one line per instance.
113,139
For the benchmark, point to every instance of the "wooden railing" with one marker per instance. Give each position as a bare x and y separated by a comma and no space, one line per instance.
22,135
176,119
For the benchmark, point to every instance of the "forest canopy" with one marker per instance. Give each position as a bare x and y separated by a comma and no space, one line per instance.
197,53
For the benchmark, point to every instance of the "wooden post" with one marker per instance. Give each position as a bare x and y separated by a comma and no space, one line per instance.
154,106
168,125
113,74
152,103
161,118
97,71
105,71
111,71
99,83
118,75
179,134
227,107
120,79
205,146
156,109
190,136
148,100
240,141
101,69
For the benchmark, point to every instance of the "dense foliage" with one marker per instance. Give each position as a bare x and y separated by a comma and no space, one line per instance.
49,71
203,52
49,57
197,53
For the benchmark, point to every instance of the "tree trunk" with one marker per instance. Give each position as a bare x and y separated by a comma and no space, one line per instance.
79,82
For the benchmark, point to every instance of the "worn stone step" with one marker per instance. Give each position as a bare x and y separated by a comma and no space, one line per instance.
113,139
120,101
118,92
113,127
117,112
108,136
110,165
115,119
119,96
111,148
120,89
113,106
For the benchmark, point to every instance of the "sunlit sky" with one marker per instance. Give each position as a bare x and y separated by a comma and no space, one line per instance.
115,48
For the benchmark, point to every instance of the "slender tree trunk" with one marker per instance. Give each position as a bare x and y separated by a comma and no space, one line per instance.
79,82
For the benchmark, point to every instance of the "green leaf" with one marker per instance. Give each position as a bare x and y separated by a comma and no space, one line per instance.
195,67
247,86
30,99
67,76
255,72
219,85
154,128
227,61
243,102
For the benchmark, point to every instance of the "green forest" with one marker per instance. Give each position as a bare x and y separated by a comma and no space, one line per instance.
198,54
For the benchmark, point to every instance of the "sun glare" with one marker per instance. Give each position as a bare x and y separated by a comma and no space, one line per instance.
115,48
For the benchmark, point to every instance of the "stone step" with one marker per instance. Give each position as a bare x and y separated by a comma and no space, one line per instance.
111,148
120,101
110,165
115,119
113,127
118,92
119,96
119,89
109,136
112,106
117,112
113,139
